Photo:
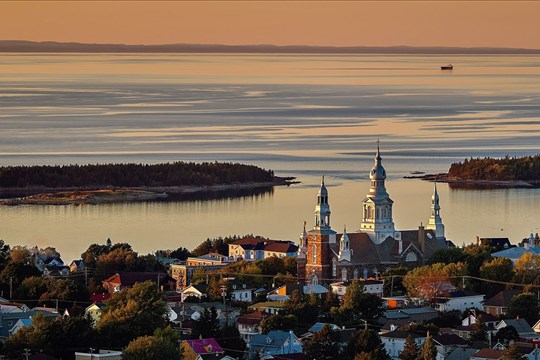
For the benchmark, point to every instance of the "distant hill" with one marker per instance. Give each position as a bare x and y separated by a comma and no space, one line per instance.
72,47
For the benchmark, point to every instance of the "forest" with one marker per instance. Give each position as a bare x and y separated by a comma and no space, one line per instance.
132,175
504,169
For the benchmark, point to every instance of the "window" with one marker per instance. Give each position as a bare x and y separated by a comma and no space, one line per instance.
344,274
334,267
314,254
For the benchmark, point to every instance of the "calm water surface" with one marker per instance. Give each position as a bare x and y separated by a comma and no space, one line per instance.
300,115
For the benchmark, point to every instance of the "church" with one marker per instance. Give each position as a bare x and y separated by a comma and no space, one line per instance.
325,256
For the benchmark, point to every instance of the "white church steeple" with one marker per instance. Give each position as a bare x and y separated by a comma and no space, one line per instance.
344,246
322,210
435,221
377,206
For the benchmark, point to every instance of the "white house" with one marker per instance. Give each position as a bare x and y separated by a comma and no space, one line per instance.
240,292
370,286
394,342
198,291
459,300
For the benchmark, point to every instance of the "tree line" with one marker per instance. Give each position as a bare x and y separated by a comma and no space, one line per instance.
503,169
132,175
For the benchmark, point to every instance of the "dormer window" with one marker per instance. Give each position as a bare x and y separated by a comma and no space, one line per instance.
268,340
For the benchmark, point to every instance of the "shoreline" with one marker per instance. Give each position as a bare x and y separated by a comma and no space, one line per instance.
108,194
475,184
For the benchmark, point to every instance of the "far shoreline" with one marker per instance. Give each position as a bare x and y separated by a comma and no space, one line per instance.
108,194
475,184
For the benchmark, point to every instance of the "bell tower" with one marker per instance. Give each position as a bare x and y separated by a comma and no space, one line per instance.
377,206
435,222
317,254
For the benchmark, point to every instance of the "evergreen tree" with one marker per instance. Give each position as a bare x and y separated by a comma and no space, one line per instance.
512,353
323,345
410,351
428,352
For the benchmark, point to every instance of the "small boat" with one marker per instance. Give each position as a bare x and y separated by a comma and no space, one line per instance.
447,67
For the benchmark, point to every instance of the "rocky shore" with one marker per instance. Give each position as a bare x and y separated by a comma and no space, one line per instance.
466,183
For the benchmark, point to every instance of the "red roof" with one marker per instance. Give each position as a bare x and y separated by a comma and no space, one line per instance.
131,278
253,318
489,354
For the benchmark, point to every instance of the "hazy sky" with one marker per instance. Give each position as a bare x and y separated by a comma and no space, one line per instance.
381,23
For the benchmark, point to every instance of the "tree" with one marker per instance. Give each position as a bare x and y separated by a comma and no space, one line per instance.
527,268
4,254
479,332
447,256
133,313
278,322
164,344
323,345
507,334
359,305
512,353
428,352
410,350
366,342
231,341
417,280
500,269
525,306
208,324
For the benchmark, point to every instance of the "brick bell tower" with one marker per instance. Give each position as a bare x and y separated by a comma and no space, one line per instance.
318,268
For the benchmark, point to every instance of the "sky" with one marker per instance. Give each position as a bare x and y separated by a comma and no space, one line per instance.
336,23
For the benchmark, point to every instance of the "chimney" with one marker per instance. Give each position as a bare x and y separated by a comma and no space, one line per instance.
421,238
478,240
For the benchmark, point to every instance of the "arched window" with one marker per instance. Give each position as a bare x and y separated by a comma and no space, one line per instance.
375,271
326,220
371,212
411,257
314,254
355,274
365,273
334,267
314,280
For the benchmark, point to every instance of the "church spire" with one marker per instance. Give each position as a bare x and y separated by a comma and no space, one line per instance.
377,206
344,246
435,221
322,209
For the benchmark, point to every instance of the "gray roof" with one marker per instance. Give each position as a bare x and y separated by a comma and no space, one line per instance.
516,252
460,353
277,339
521,326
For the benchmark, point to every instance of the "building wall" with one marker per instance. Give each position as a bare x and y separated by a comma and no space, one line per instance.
395,346
318,257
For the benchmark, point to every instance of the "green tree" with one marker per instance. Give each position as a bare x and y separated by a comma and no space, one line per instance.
278,322
512,353
231,341
447,256
151,348
428,351
507,334
359,305
479,332
207,326
410,350
527,268
323,345
500,269
525,306
133,313
366,342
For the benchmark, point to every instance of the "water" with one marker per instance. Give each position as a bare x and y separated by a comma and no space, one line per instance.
300,115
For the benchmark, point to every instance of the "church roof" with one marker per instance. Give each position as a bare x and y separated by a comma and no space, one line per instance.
365,251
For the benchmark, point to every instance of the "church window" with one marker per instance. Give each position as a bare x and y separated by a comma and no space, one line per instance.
371,212
365,273
344,274
314,280
355,274
334,267
314,255
326,220
375,271
411,257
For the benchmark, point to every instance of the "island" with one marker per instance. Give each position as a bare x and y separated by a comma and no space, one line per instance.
491,172
106,183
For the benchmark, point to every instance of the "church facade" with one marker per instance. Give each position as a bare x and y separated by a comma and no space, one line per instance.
325,255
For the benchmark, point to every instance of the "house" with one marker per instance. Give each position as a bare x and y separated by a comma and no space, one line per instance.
76,266
297,356
371,286
124,281
240,291
284,292
197,291
252,248
102,354
458,353
488,354
55,271
433,289
276,342
497,304
94,311
99,298
413,314
396,302
447,342
487,319
19,325
523,329
395,324
514,253
394,341
530,351
497,243
183,273
74,311
208,260
201,349
270,307
9,319
249,325
459,300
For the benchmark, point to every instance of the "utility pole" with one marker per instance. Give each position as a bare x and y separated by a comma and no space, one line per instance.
86,276
91,353
392,286
10,287
26,353
56,304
